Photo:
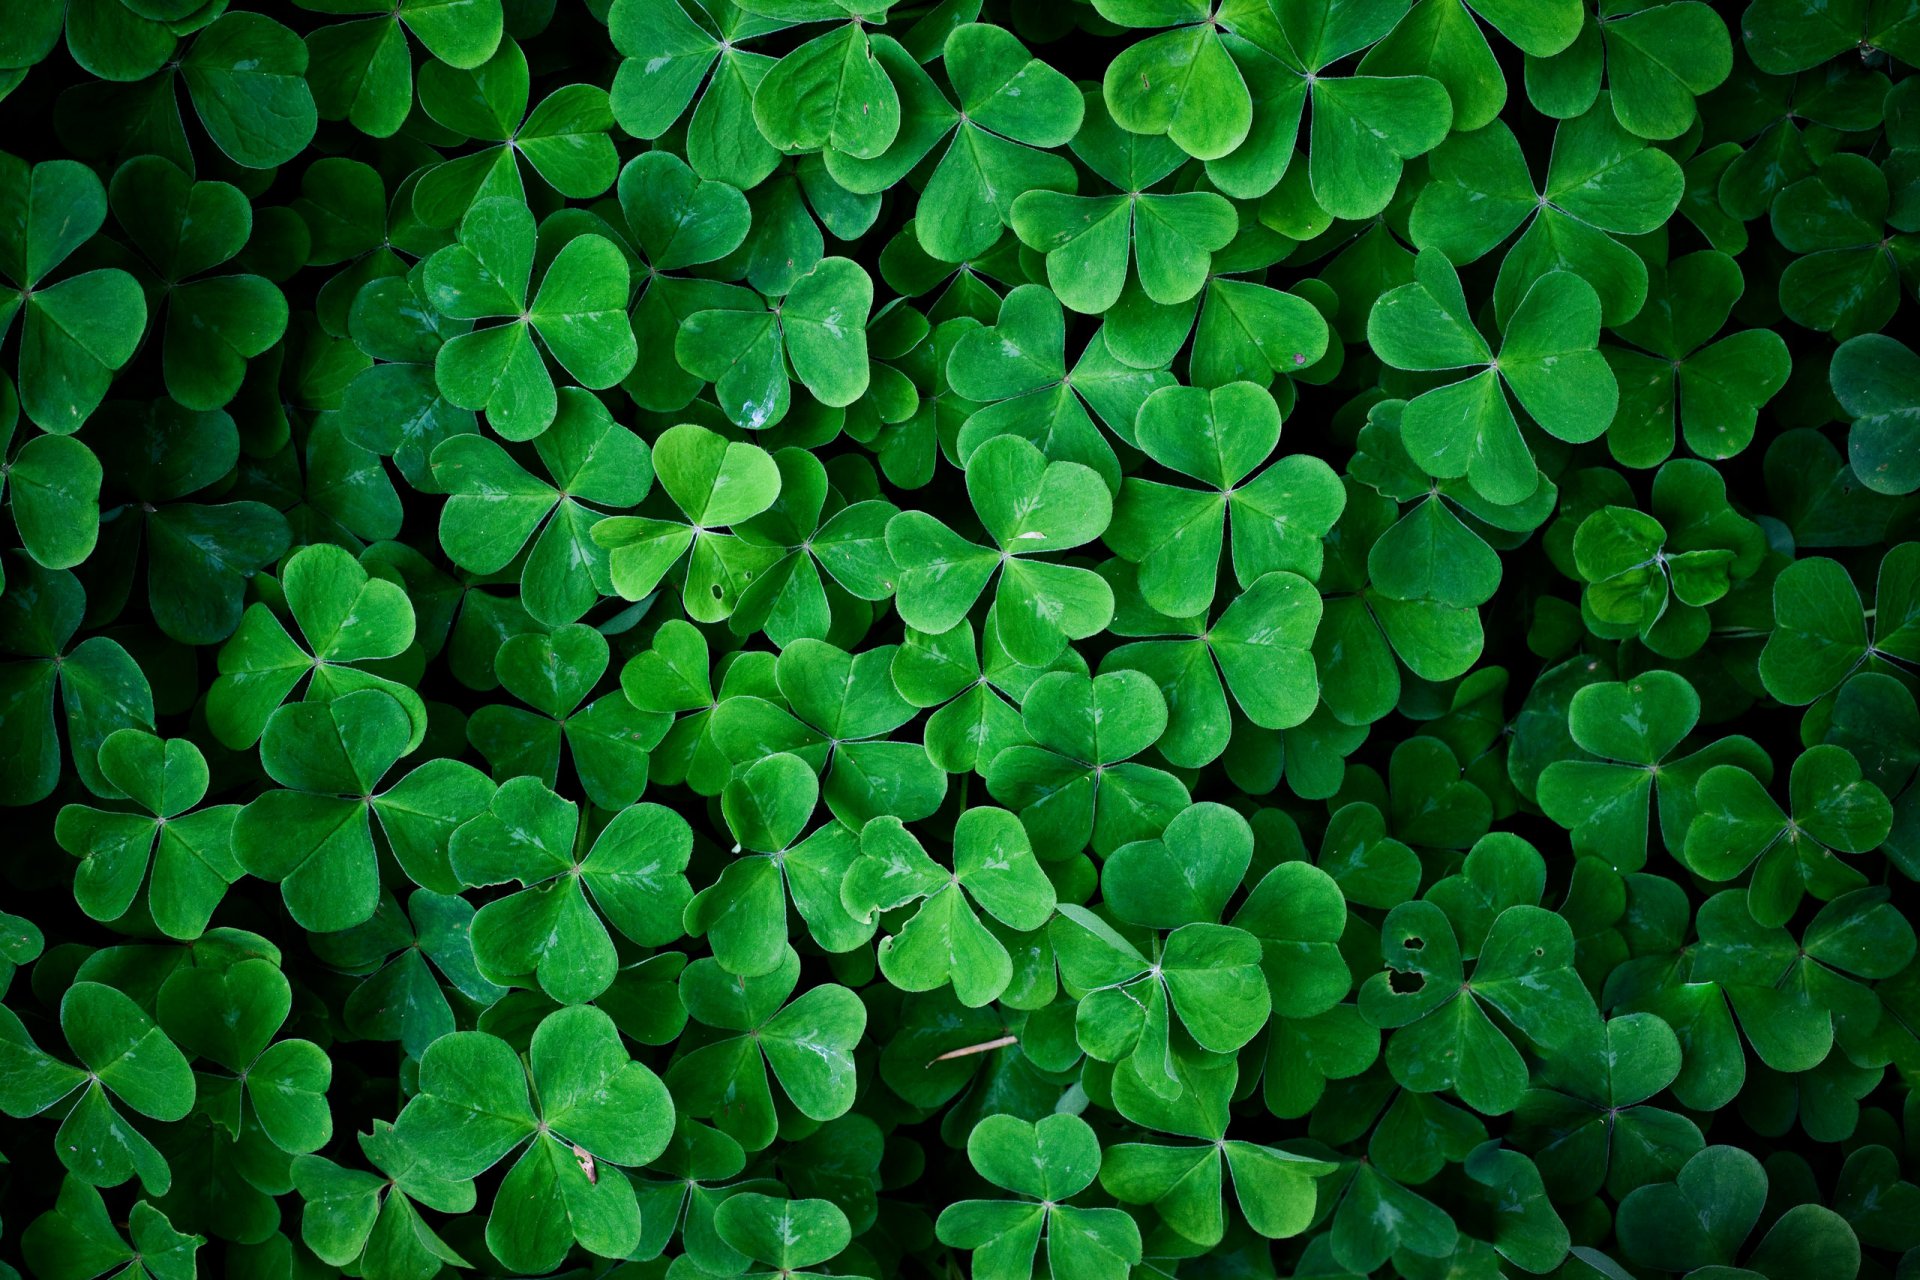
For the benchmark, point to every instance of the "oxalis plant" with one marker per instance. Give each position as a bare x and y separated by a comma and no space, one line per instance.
1014,639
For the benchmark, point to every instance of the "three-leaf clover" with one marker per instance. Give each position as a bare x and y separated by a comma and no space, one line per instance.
1714,388
1047,1163
808,1045
1029,506
497,507
746,344
313,835
1204,978
591,1111
1737,824
944,941
1078,784
77,1240
1169,237
713,482
226,1010
608,739
75,333
1587,1117
215,323
1820,634
353,1217
1547,359
1443,1037
1631,729
633,874
127,1057
1011,106
787,1237
1175,534
1601,182
345,615
579,313
565,138
190,853
362,70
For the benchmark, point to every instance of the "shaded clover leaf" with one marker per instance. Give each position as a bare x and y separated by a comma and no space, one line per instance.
1587,1120
77,1240
713,483
1012,105
362,70
786,1236
1078,784
1737,825
372,1219
1443,1035
126,1057
1715,389
1204,979
1220,438
75,333
1602,182
747,345
633,873
1089,240
1874,379
1029,506
215,323
345,615
1820,633
564,138
607,740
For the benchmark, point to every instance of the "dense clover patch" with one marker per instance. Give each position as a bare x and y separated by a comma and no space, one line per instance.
1091,639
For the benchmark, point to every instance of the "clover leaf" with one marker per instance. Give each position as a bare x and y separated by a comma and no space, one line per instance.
1547,360
1077,783
313,835
1716,389
633,871
1012,107
77,1240
807,1043
579,313
1444,1037
373,1219
345,615
944,940
713,482
1820,634
190,854
1045,1162
607,740
126,1057
786,1236
75,333
1089,240
1737,825
1175,534
362,70
1602,182
1029,506
1632,728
